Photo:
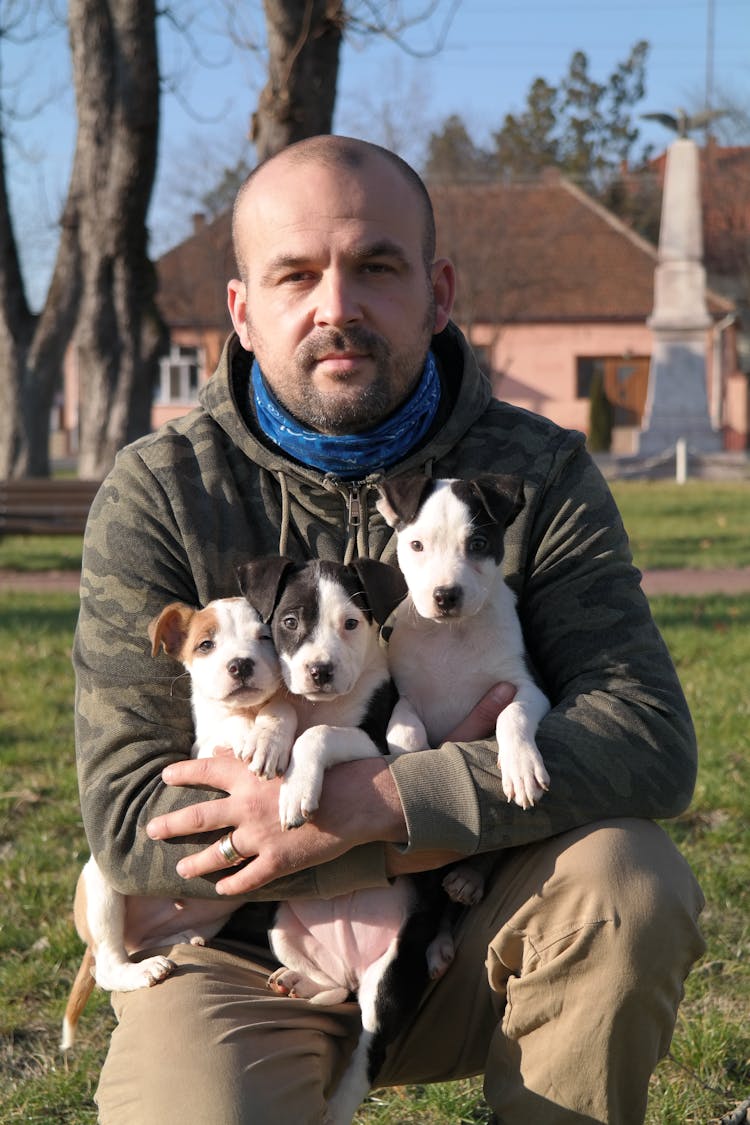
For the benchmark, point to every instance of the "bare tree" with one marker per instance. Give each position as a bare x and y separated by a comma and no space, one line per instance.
304,39
31,347
115,70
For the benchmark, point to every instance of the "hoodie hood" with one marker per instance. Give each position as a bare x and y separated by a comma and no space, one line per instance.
466,395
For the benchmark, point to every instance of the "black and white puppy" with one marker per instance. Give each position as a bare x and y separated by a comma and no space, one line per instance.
325,620
460,618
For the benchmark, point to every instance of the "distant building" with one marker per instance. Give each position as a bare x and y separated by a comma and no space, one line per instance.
552,289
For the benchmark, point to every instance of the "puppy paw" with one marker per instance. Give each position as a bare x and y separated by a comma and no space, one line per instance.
440,952
291,982
270,757
464,884
133,975
299,795
524,777
406,732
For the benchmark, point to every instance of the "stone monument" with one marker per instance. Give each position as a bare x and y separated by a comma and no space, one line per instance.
676,401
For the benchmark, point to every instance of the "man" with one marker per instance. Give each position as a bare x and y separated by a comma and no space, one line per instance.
567,977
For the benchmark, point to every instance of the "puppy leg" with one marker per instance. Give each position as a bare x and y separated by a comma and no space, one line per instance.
525,778
313,753
269,747
357,1078
406,732
290,982
105,917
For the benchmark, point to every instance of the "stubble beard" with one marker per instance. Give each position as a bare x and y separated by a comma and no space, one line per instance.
352,408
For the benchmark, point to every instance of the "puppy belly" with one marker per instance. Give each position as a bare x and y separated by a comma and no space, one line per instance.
151,922
438,692
334,941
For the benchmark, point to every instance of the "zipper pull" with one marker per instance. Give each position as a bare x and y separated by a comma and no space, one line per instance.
355,509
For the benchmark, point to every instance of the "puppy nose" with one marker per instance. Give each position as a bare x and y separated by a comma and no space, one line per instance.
447,597
241,668
321,673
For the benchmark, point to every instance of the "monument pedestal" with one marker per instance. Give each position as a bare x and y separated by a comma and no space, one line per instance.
677,403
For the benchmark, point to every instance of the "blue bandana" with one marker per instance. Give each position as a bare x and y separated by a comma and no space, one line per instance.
351,456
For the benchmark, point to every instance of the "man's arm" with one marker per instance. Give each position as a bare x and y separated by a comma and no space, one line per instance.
359,805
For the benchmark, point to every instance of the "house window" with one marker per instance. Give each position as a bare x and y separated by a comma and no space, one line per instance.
625,380
179,375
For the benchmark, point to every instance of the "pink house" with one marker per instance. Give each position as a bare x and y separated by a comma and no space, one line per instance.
552,289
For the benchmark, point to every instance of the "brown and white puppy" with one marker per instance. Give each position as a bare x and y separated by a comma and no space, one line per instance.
460,618
235,680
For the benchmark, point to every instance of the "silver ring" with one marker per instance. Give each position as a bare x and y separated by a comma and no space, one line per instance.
228,850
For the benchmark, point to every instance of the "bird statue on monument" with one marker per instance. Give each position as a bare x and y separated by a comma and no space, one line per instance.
684,123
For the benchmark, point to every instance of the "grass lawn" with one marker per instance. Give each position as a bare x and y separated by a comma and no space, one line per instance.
42,848
698,524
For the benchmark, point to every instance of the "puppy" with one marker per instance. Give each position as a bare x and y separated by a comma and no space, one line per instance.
325,619
235,680
460,618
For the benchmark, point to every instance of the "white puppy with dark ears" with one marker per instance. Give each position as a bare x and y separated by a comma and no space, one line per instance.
458,633
235,680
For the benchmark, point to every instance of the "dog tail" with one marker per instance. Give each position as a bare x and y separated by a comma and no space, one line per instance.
82,988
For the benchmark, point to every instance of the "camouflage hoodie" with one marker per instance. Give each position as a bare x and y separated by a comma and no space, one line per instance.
184,506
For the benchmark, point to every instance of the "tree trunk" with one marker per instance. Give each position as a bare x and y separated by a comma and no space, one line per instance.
52,335
117,97
16,326
304,37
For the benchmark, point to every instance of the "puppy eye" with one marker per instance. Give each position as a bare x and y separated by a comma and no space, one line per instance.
206,646
477,544
351,623
416,545
290,622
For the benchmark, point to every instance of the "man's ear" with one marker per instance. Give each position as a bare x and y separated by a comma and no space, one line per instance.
237,302
443,278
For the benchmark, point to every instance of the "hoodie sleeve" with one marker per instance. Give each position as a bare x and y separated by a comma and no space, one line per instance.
618,740
133,711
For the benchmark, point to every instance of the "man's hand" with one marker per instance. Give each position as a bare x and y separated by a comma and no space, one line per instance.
359,804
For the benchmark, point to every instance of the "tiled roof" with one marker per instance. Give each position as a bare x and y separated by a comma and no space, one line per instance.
541,251
193,277
524,252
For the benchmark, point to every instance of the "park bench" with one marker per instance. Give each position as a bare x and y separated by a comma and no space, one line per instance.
45,507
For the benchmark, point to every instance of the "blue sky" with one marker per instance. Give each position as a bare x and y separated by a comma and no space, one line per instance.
492,52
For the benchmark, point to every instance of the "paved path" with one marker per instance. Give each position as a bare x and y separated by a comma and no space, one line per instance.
684,582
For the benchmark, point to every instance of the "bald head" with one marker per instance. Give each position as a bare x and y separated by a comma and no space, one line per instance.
347,154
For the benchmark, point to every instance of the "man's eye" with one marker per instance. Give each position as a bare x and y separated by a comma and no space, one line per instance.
377,267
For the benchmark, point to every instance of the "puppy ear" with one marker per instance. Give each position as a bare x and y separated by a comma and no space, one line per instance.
261,580
170,628
384,587
501,496
401,499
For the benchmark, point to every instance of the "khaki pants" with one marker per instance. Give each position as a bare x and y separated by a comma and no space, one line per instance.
564,993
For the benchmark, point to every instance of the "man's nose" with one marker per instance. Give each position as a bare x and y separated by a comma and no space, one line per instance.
338,301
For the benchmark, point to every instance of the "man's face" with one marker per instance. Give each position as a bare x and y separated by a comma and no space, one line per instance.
339,306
